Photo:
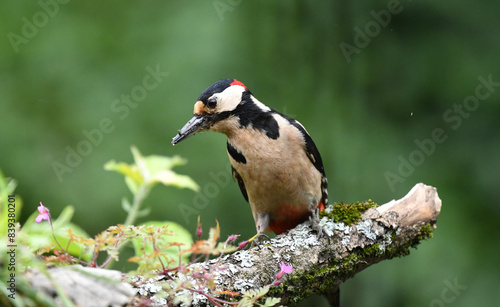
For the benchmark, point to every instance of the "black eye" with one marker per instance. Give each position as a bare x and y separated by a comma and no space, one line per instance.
212,103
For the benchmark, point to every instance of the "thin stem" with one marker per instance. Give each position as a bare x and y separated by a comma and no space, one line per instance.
139,197
106,263
57,242
142,192
54,234
110,258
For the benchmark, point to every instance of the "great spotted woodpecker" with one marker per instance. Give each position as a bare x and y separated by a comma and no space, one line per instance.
274,160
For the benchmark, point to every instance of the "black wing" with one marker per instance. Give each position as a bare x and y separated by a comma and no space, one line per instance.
238,179
314,156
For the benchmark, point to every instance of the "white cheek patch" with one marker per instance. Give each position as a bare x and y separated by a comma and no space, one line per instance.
230,98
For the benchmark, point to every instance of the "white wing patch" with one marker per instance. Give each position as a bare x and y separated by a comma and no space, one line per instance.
261,106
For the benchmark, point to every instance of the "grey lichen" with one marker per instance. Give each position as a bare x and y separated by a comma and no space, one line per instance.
243,284
244,257
366,228
353,243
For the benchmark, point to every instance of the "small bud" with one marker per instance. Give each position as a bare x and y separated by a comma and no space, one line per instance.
232,238
243,244
276,283
199,231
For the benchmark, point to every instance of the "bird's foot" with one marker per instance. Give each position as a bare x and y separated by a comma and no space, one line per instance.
314,220
258,238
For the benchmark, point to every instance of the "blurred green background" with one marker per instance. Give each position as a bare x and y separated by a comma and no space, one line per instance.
368,79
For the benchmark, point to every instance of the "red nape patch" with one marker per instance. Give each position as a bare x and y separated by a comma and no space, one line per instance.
236,82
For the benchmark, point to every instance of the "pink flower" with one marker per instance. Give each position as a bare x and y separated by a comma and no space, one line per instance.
44,213
284,269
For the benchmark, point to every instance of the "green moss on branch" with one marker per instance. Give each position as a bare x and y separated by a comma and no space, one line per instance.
349,214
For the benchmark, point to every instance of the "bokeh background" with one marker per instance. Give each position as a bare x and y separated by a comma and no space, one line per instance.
368,79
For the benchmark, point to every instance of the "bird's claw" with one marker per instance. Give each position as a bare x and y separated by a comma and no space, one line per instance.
258,238
314,220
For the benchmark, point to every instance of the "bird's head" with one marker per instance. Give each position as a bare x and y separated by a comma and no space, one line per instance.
216,107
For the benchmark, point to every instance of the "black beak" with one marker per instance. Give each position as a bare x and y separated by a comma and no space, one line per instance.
195,124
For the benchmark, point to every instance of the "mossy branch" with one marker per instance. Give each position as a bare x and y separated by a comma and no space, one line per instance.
358,235
381,233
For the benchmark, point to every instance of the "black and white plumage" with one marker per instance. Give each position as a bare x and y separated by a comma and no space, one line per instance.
274,160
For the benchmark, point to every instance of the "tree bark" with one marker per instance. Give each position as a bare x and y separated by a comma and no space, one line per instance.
82,286
321,264
384,232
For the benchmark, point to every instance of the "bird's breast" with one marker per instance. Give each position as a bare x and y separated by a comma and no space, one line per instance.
276,172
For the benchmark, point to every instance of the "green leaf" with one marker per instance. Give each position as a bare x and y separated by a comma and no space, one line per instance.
132,185
255,294
226,249
11,186
181,235
78,250
143,212
64,217
129,171
157,169
7,187
168,177
126,205
39,235
140,163
271,301
151,170
156,163
214,233
245,302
